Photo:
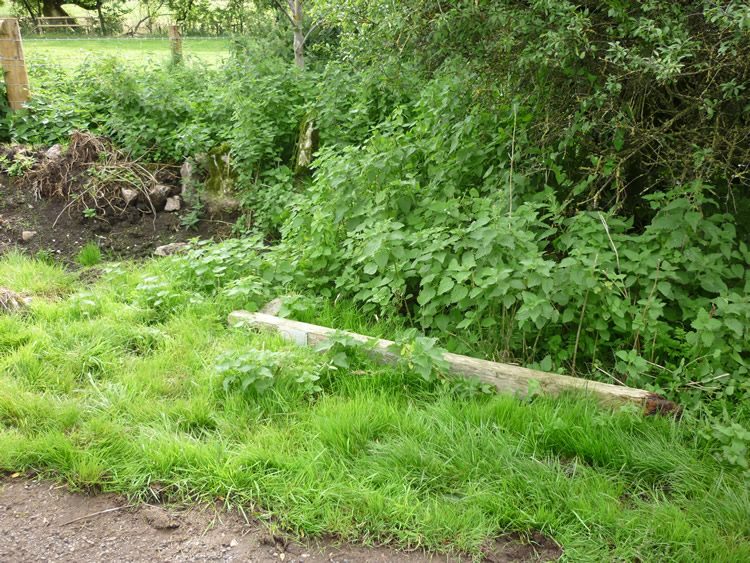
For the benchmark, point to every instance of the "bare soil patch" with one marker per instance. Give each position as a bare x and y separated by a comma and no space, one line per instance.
82,195
43,521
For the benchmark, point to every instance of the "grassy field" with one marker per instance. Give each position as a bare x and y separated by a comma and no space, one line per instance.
117,384
69,53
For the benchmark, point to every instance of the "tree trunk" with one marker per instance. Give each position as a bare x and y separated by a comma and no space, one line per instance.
54,9
299,36
505,378
101,17
31,11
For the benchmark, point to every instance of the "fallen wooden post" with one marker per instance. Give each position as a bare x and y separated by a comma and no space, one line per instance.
505,378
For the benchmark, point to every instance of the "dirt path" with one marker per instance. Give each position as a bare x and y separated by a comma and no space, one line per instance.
42,521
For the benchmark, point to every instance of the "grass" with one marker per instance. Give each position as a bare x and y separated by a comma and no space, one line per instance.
111,389
37,277
70,52
89,255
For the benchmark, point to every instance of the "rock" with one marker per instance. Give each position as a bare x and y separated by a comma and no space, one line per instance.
172,204
28,235
55,152
159,518
170,249
214,204
128,195
187,173
158,195
10,301
294,549
233,543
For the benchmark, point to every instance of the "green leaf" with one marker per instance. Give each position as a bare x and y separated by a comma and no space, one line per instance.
735,326
370,268
341,360
458,293
619,140
381,258
426,295
446,284
665,288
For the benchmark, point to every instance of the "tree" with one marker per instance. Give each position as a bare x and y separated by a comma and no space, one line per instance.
294,12
55,9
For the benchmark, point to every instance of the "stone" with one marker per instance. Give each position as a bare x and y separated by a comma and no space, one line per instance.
128,195
11,301
158,195
172,204
159,518
187,175
170,249
28,235
55,152
215,204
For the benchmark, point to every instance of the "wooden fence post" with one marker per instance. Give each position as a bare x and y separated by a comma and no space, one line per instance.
175,43
14,65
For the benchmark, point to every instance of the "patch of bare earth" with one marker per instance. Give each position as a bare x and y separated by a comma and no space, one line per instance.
93,193
43,521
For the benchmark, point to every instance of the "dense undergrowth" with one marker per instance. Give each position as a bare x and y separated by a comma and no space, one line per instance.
124,384
551,183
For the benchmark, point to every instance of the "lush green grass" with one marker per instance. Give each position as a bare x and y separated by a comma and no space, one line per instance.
41,278
89,255
112,390
70,52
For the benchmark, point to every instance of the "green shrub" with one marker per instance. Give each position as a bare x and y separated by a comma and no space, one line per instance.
550,183
162,113
429,219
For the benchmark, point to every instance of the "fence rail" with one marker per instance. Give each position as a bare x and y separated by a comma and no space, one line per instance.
59,22
129,38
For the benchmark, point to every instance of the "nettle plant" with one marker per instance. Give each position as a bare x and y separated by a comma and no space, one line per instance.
431,219
418,353
257,370
254,369
230,268
18,165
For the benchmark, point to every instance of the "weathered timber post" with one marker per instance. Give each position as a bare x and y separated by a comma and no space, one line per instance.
175,43
14,65
505,378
